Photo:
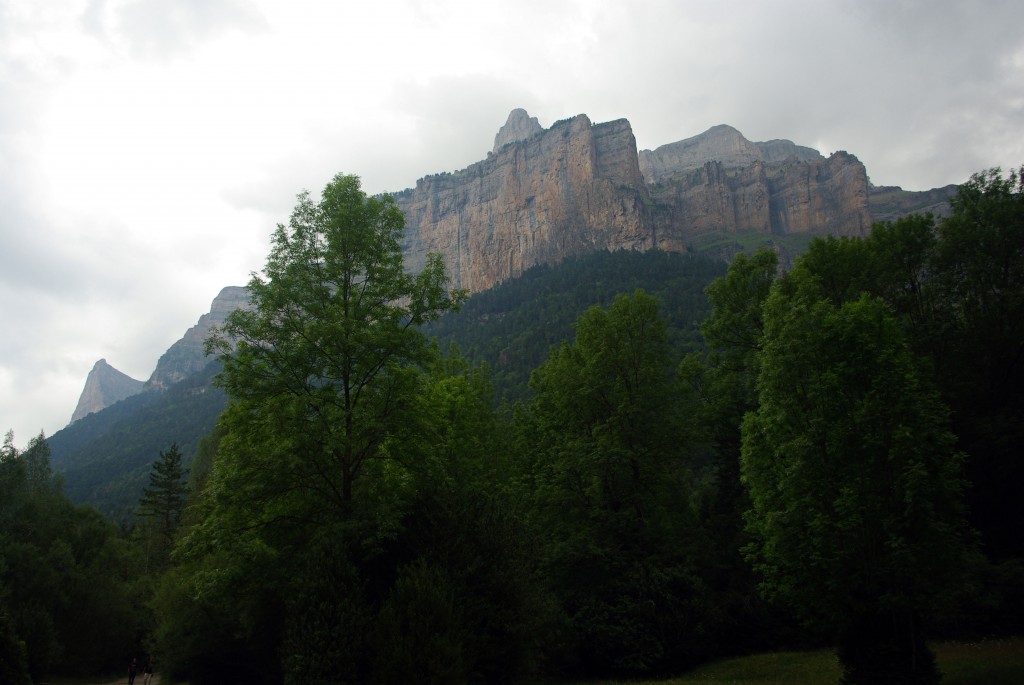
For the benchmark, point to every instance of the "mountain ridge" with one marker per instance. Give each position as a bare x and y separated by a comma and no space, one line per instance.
539,198
104,386
545,194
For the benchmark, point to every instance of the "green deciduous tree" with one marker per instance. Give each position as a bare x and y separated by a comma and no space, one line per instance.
979,276
721,384
321,445
611,483
67,582
322,369
854,482
723,380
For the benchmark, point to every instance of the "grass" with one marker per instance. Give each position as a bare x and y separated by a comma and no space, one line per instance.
989,662
994,662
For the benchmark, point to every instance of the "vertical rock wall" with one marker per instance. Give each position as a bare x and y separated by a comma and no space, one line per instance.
543,195
573,187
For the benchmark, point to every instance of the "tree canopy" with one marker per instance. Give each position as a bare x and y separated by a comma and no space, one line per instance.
321,370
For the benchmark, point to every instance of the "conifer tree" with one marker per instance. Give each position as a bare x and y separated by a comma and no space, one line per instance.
164,499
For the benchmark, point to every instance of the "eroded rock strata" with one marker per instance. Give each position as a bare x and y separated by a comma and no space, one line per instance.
545,194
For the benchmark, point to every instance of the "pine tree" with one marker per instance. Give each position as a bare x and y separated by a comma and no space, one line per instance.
164,499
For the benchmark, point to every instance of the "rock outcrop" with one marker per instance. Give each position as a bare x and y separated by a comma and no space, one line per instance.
889,203
104,386
827,196
519,126
722,144
545,194
573,187
187,356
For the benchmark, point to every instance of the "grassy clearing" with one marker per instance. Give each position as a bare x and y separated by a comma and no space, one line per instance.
995,662
990,662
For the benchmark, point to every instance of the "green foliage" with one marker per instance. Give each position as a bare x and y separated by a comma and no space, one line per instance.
418,634
335,429
105,458
13,660
321,370
854,482
511,326
979,275
165,497
68,584
162,504
326,637
611,481
957,288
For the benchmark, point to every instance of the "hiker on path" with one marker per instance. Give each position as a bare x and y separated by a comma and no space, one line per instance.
133,668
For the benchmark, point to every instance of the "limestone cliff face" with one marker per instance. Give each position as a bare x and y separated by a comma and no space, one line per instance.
827,196
543,195
573,187
186,356
722,144
519,126
104,386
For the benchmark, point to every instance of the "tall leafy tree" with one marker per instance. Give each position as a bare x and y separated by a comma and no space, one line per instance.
324,374
957,288
721,384
979,276
611,485
322,369
723,380
854,481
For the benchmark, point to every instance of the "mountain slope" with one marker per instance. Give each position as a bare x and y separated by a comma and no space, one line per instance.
512,326
104,386
105,458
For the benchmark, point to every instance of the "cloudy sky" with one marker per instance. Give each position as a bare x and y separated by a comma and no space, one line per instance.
148,147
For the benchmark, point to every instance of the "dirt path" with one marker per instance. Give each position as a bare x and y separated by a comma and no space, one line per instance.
139,680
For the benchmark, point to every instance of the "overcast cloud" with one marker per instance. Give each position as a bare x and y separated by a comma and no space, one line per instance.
149,147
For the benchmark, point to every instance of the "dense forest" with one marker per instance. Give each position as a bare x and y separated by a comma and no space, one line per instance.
819,455
104,458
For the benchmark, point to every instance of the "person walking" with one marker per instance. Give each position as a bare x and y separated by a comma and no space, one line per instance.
147,672
133,668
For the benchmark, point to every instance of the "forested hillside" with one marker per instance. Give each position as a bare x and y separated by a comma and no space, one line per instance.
511,327
104,458
831,462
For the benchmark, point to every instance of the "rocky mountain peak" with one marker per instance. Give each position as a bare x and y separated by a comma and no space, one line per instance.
520,126
187,356
104,386
722,144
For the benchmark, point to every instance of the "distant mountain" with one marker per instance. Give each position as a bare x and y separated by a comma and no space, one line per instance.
105,456
104,386
722,144
186,356
889,203
543,195
562,218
